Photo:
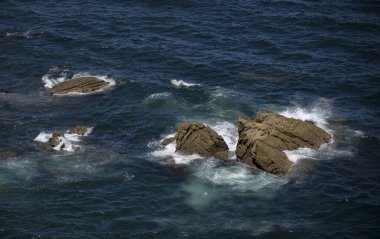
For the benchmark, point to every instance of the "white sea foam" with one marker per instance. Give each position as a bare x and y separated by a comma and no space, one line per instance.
169,152
158,96
212,178
326,151
181,83
301,153
237,176
318,113
228,131
27,34
69,140
54,76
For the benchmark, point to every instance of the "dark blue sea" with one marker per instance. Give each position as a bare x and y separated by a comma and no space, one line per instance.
199,61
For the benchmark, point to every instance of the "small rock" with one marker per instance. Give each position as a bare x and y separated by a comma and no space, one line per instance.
79,85
79,130
55,139
168,141
200,139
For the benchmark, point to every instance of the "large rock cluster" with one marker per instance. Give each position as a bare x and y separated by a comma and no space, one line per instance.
261,141
79,85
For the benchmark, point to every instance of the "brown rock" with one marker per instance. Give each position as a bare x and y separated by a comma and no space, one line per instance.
55,139
79,130
168,141
262,141
200,139
79,85
7,154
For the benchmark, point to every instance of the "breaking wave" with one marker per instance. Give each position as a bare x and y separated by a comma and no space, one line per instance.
70,141
181,83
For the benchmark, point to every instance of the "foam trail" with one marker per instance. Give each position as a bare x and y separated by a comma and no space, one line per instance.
237,177
181,83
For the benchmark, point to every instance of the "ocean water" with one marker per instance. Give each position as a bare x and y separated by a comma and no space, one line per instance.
200,61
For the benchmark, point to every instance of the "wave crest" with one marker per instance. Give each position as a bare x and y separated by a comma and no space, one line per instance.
181,83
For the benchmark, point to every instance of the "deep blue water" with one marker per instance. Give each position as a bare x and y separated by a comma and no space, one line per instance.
316,60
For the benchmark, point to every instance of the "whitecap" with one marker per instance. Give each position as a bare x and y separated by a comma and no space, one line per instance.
228,131
181,83
54,76
301,153
317,113
158,96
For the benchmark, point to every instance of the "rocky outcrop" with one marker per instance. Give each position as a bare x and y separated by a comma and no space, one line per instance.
262,141
79,130
79,85
200,139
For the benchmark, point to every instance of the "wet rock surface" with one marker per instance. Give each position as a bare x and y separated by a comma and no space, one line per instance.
79,130
56,139
263,140
200,139
79,85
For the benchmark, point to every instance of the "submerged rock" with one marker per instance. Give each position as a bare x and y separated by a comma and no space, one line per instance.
79,85
7,154
262,141
200,139
79,130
